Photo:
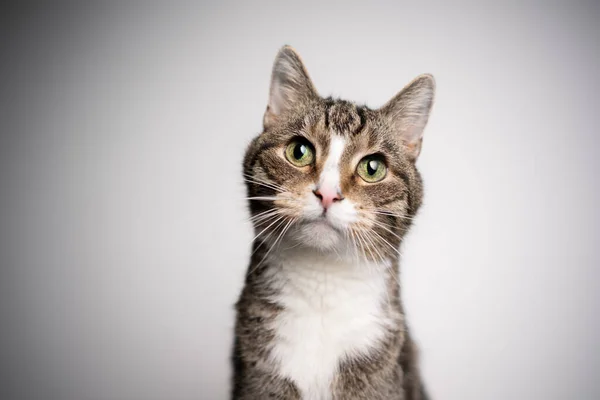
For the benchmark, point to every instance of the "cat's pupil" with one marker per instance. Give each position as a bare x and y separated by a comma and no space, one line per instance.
372,167
299,151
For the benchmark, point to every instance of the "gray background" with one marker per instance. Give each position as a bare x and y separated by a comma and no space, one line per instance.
124,232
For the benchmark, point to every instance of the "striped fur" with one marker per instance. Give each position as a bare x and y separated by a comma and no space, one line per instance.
306,300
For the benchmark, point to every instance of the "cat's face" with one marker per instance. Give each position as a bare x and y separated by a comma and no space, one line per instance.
331,175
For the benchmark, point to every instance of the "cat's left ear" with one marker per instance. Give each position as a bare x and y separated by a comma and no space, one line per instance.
290,85
408,112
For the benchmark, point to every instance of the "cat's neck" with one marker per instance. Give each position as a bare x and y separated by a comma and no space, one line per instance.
320,277
336,261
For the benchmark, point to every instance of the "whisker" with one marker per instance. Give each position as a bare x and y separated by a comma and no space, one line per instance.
274,243
389,268
265,198
277,189
350,234
267,237
251,176
347,235
378,257
254,179
383,212
287,227
382,225
268,251
392,272
270,225
361,245
357,247
260,218
362,242
388,243
262,213
369,237
272,198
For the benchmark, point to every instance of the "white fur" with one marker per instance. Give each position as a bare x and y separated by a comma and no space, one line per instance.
334,305
333,308
339,215
330,176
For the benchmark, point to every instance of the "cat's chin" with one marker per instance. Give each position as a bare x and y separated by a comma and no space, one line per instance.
319,234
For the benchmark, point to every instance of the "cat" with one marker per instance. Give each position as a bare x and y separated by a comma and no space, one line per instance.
332,189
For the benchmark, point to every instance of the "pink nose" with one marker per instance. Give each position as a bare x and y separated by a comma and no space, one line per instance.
327,196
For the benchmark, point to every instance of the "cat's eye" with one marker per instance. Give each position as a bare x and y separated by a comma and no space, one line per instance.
372,168
300,153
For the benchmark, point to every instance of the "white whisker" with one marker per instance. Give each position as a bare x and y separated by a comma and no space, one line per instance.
269,234
274,243
260,219
272,198
388,213
380,224
270,225
258,181
369,237
362,242
265,185
265,198
262,214
388,243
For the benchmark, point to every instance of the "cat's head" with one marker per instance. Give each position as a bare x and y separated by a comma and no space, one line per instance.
332,175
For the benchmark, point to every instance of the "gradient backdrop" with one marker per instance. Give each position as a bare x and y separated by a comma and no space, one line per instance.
122,219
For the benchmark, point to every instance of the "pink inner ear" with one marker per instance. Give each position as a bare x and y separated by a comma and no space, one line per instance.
277,100
412,132
408,111
413,148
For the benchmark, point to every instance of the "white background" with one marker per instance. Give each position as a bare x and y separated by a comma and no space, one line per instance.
125,239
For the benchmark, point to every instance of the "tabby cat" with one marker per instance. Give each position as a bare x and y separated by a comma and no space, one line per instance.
332,189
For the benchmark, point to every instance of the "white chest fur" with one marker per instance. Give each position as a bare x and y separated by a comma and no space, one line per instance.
332,310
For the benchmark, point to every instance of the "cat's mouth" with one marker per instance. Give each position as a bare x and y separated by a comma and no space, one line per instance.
319,233
321,223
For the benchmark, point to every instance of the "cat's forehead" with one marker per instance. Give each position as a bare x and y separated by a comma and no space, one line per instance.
344,117
361,127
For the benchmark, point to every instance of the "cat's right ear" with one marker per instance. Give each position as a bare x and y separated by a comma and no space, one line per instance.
408,112
290,85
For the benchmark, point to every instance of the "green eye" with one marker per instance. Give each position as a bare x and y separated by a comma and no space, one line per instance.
300,153
371,169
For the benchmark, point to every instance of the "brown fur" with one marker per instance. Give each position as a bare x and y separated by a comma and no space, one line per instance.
394,132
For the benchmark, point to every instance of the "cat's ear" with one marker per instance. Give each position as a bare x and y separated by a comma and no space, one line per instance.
408,112
290,85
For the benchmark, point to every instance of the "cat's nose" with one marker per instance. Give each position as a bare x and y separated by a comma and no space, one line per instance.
327,196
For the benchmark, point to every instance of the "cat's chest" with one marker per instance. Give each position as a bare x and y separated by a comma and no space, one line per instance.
328,314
